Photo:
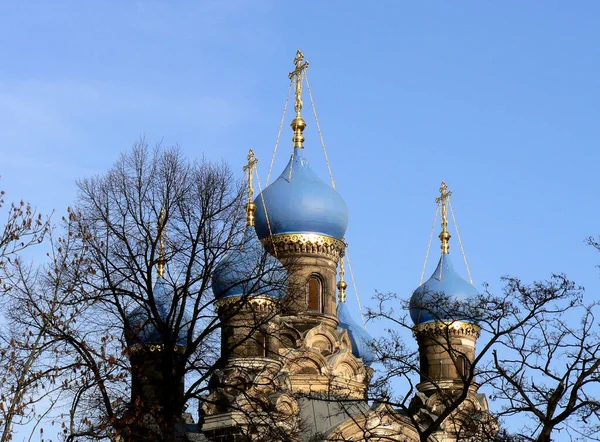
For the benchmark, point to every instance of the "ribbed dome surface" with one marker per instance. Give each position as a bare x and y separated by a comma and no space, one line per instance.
142,328
358,335
249,270
300,202
443,297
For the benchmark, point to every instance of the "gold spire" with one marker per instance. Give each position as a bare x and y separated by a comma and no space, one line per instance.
298,124
160,265
249,168
443,200
341,285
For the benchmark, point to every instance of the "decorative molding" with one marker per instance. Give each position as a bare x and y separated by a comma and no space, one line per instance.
258,302
313,243
453,328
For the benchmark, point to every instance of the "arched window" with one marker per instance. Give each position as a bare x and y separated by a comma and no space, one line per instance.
260,339
314,297
462,366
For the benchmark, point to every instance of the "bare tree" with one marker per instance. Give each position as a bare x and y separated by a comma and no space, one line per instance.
522,332
153,209
19,349
546,373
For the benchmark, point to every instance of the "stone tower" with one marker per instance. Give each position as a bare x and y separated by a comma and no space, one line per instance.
156,343
446,331
302,221
301,356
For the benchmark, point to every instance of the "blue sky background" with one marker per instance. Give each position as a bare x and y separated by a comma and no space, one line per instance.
499,99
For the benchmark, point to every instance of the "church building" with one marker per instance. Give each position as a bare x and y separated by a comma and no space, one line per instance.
295,365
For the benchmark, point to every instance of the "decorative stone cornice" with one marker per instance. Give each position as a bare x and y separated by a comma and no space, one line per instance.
251,363
289,244
453,328
258,302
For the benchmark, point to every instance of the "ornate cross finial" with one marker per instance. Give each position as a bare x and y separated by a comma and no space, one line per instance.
298,124
301,66
341,285
443,200
160,265
249,168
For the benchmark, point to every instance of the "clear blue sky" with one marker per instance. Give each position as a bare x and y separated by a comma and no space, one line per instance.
499,99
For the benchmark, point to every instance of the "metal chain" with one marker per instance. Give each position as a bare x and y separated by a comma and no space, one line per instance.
437,210
236,214
460,242
262,198
312,102
355,289
287,100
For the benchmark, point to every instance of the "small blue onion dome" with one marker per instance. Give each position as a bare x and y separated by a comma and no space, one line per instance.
249,270
300,202
142,327
358,336
444,296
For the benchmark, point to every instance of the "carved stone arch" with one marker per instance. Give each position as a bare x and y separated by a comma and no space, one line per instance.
235,381
253,401
347,366
344,339
287,405
267,381
321,338
307,362
289,337
382,423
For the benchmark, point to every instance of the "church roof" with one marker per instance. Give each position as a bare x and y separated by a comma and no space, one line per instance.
358,335
300,202
444,296
249,270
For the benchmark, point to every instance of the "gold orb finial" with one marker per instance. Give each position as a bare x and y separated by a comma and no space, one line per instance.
443,200
341,285
249,169
298,124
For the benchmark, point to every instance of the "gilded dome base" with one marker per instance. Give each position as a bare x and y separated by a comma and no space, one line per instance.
293,244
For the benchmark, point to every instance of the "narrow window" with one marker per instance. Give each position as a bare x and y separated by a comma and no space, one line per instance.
461,363
424,366
315,294
261,344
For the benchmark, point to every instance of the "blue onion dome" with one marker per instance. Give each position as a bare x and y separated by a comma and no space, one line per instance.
142,327
358,336
249,270
300,202
445,296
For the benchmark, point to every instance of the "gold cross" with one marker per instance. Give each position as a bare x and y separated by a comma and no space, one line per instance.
444,193
249,168
443,199
301,66
250,207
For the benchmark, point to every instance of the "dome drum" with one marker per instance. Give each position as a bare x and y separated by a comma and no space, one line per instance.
294,244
